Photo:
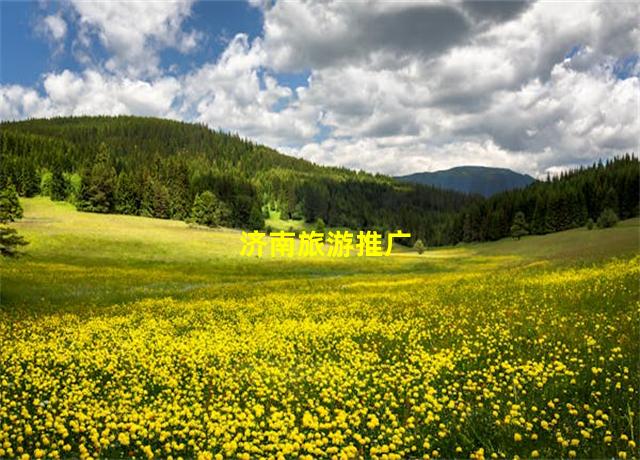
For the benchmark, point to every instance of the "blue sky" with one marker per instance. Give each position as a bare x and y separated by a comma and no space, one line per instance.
26,54
382,86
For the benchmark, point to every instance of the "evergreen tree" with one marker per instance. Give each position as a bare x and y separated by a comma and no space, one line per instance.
127,197
538,222
59,185
45,183
209,210
29,180
607,219
519,227
320,226
97,191
160,201
419,246
10,240
10,210
256,219
178,187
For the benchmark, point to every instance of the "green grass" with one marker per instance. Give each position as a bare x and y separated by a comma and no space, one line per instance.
276,223
89,259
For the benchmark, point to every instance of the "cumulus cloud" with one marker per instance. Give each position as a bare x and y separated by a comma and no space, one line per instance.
134,32
235,94
393,87
532,87
90,93
316,35
573,113
55,26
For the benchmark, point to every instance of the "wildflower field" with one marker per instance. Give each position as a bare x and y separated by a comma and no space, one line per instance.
125,336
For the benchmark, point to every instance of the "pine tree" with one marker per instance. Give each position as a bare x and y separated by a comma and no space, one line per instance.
256,219
538,222
127,198
10,210
97,191
519,227
419,246
29,180
209,210
160,201
59,185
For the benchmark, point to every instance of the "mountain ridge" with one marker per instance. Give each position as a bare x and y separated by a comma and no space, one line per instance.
481,180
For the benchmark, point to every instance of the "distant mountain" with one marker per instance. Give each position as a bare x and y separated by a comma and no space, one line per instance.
472,179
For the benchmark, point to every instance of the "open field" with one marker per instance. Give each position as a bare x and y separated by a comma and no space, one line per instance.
131,336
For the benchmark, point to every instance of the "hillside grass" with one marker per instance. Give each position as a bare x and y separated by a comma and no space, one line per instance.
76,258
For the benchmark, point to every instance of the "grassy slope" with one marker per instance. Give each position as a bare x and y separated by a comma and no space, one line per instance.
80,259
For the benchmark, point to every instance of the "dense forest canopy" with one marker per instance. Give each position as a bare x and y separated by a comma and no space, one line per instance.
170,169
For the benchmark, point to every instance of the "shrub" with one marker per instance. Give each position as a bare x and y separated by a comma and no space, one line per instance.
519,227
608,218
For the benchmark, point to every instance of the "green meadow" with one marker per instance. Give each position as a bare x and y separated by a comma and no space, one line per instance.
130,336
76,258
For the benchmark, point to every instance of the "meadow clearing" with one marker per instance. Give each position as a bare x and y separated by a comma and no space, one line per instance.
126,336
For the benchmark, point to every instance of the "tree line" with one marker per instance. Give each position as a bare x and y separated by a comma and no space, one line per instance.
566,201
174,170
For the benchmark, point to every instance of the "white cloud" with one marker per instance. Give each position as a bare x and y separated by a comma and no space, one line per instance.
301,35
90,93
134,32
403,155
399,86
236,94
55,25
18,102
506,95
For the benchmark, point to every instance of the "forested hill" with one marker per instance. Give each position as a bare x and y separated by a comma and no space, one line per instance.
570,200
472,179
171,169
175,170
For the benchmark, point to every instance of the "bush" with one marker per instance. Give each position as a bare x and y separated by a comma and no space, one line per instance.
419,246
607,219
590,224
209,210
519,227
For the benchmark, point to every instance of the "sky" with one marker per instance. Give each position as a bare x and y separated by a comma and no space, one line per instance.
390,87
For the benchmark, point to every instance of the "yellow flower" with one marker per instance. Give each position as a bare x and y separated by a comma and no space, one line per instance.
517,437
123,438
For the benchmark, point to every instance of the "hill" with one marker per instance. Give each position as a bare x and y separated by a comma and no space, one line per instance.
159,168
173,170
480,180
567,201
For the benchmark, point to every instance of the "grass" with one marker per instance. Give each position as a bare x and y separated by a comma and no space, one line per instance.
129,336
277,223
